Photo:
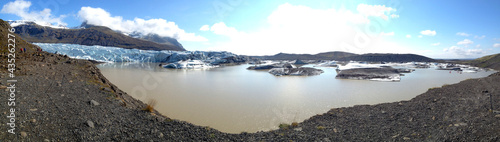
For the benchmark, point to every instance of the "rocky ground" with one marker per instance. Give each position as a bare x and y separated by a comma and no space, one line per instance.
63,99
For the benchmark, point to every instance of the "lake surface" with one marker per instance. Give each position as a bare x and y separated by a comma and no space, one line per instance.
233,99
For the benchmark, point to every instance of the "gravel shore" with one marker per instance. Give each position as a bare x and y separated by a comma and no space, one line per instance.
64,99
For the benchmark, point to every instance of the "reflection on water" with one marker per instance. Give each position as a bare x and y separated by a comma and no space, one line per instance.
233,99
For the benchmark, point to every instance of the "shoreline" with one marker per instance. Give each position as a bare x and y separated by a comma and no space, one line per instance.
336,124
64,99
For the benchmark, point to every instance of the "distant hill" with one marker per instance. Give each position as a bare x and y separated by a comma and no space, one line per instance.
336,54
372,57
89,35
346,56
490,61
320,56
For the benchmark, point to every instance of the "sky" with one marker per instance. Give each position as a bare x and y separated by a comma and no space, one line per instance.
437,29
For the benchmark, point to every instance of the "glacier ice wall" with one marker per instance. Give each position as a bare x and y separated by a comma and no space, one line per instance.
115,54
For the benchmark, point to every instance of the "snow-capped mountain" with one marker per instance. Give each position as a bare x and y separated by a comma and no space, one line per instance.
31,31
15,23
149,37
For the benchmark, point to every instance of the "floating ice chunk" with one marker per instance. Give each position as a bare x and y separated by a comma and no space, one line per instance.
189,64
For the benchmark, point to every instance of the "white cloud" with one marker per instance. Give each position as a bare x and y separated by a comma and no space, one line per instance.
419,36
375,10
465,42
394,16
302,29
436,44
496,45
462,34
479,37
21,9
428,33
221,29
464,52
162,27
387,34
478,45
408,36
205,28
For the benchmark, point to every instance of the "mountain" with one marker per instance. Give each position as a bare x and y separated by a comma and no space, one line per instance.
158,39
346,56
376,57
149,37
336,54
320,56
24,22
490,61
88,35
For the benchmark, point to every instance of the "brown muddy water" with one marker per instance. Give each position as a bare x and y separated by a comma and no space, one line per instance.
233,99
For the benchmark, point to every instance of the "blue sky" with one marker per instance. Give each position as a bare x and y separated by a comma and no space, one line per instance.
438,29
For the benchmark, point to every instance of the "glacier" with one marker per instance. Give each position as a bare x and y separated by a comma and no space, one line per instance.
116,54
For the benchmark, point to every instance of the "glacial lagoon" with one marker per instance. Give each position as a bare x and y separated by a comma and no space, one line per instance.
233,99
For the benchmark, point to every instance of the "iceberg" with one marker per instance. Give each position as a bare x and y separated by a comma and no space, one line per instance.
115,54
301,71
375,74
327,64
189,64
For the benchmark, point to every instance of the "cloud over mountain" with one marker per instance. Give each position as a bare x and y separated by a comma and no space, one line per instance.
162,27
21,8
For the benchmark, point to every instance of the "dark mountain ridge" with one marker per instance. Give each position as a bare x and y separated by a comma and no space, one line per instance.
388,57
320,56
89,35
346,56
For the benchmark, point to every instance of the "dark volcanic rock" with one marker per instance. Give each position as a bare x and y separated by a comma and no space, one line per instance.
303,71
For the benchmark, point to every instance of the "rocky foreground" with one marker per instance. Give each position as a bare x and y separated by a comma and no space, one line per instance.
64,99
